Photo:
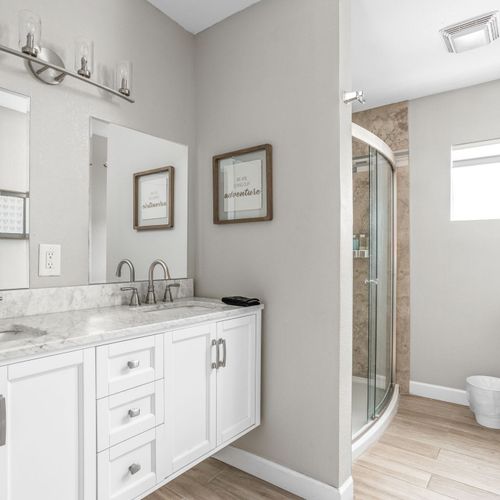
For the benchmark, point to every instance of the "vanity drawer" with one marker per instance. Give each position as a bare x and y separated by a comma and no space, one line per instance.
128,364
126,414
128,469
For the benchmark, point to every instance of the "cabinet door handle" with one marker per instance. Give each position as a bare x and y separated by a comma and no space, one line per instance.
3,421
134,412
223,362
216,364
133,364
134,469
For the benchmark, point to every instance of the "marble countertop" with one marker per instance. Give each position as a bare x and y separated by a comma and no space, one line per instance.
28,336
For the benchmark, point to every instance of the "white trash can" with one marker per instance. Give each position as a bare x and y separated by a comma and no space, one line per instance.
484,400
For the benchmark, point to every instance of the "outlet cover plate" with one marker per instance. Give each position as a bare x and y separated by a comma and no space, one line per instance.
49,260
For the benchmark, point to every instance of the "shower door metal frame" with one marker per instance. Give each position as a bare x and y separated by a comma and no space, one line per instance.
379,145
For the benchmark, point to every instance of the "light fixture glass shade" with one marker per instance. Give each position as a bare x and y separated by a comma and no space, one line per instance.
124,77
84,57
30,32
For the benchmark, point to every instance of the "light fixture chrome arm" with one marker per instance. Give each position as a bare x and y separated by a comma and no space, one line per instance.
63,71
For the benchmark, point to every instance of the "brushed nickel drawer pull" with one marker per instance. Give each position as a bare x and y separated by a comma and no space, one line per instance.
134,412
223,362
216,364
134,468
133,364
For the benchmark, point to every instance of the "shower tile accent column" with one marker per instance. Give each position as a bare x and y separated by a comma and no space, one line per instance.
361,225
390,123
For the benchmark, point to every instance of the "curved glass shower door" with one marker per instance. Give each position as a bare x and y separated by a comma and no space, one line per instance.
373,272
380,283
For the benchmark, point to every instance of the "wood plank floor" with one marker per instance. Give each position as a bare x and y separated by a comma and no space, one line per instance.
432,450
214,480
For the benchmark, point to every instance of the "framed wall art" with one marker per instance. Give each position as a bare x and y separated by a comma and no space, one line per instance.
242,185
154,199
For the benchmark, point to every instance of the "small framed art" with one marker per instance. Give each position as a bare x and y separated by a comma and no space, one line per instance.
242,185
154,199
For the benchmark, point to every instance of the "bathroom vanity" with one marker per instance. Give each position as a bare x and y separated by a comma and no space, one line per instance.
112,403
98,399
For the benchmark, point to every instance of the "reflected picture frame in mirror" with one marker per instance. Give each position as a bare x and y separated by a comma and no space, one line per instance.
154,199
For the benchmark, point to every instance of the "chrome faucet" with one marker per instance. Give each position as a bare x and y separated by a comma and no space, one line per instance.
134,299
130,266
151,297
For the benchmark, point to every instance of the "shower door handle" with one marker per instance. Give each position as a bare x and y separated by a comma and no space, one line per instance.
371,282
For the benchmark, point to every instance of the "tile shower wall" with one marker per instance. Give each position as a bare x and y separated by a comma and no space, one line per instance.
361,225
390,123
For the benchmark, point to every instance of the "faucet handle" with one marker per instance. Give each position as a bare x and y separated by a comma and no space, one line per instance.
168,289
134,300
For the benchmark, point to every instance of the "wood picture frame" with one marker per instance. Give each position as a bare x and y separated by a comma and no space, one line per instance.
243,185
148,214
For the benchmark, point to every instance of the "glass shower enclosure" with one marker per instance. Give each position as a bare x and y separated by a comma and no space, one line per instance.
374,264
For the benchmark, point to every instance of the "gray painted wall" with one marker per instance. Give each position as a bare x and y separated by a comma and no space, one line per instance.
455,311
271,74
163,57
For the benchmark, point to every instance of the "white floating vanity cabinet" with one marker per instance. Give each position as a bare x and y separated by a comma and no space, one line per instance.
118,420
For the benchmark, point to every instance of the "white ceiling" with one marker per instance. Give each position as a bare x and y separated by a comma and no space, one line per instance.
398,53
198,15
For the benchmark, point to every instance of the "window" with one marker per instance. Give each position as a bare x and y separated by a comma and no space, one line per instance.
475,181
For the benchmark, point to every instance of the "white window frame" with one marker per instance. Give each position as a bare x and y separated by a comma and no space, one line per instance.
479,153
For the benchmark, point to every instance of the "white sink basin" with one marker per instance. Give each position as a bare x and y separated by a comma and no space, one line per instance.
18,333
194,307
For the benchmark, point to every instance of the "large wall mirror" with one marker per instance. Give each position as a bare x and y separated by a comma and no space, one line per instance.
138,202
14,190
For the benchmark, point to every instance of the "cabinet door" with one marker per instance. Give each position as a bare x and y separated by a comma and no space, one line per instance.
190,397
50,450
236,377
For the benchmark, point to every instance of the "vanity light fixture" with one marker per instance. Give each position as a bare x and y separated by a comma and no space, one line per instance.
471,33
46,65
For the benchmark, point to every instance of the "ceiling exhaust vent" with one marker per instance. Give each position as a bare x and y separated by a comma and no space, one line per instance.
472,33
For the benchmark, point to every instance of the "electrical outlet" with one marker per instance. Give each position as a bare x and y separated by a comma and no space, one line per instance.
49,260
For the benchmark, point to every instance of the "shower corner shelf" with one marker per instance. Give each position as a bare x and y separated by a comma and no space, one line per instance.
361,254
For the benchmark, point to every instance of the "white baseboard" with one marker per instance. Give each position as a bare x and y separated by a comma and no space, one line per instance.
439,392
287,479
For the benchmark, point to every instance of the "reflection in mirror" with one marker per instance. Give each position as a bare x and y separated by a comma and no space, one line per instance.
14,190
138,207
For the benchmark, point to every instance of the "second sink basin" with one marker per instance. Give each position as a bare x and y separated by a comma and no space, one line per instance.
192,307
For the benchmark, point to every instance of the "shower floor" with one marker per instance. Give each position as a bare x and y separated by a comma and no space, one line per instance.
360,403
